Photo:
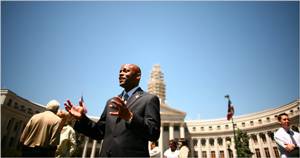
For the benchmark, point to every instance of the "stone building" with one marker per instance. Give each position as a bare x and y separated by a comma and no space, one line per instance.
206,138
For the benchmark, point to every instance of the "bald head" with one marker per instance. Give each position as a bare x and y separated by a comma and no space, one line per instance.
129,76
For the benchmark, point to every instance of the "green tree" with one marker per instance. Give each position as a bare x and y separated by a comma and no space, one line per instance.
243,144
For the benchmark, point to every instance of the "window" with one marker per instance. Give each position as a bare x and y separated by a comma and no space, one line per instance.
3,140
220,141
11,141
195,142
213,154
176,128
251,123
243,124
16,106
186,129
202,128
203,141
271,135
9,102
23,108
268,119
16,126
227,127
263,137
254,137
267,152
222,154
276,151
29,111
292,112
204,154
218,128
259,121
234,125
194,128
257,152
8,125
210,128
166,128
211,142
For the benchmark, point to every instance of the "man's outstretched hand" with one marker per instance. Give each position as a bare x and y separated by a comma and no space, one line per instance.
77,112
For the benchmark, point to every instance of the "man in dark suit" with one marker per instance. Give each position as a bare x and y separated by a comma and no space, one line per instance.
128,121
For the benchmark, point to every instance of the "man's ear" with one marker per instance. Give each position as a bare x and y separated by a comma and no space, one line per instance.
138,76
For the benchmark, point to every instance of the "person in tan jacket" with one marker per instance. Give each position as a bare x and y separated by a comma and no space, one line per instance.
41,134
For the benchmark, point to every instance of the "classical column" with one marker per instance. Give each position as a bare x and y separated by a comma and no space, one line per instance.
271,150
260,142
208,154
19,132
199,148
171,130
94,148
182,134
226,154
100,146
9,131
86,142
161,138
216,143
192,147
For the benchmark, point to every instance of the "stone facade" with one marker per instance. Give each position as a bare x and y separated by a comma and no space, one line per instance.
206,138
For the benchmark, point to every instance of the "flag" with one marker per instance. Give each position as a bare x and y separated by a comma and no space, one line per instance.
230,110
85,110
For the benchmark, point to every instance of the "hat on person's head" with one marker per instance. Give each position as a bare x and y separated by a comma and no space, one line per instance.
53,105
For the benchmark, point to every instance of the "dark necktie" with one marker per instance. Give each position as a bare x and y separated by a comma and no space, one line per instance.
126,96
294,142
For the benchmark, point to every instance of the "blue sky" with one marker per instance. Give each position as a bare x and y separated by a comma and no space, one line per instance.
249,50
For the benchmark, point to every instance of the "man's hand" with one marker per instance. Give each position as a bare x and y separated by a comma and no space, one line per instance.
122,110
289,147
77,112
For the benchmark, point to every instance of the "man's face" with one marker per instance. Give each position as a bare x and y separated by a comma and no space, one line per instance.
180,144
172,145
284,122
152,145
129,77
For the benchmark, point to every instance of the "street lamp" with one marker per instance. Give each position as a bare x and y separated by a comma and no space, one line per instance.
229,150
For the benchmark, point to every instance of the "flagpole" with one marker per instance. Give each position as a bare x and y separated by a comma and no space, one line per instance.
237,151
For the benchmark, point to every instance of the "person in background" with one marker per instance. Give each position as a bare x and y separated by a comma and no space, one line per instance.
155,151
67,145
183,149
172,152
41,134
128,122
287,141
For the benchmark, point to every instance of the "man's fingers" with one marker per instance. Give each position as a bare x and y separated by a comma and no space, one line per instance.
118,98
113,107
114,113
117,103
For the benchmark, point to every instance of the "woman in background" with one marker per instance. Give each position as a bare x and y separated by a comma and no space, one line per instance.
67,145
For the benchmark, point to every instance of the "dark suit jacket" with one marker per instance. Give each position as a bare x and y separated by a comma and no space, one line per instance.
121,139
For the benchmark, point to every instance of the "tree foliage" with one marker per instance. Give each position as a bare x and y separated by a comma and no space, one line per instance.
243,144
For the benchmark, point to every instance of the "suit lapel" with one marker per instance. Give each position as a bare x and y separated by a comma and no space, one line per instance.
135,96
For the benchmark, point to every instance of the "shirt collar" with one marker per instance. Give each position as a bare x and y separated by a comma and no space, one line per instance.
130,92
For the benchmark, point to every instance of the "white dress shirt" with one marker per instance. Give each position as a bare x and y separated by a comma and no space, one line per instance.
281,137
